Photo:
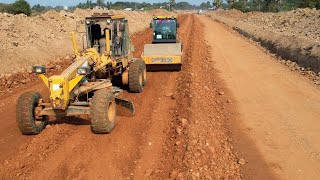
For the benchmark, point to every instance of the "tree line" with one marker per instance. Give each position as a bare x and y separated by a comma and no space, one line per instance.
243,5
267,5
167,4
18,7
22,6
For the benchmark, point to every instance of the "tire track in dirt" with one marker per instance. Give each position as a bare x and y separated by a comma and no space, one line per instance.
70,150
198,143
155,143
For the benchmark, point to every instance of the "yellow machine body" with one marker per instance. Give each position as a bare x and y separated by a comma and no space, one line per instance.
63,87
168,53
165,48
86,86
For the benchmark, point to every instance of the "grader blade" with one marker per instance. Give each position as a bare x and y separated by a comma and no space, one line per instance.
125,105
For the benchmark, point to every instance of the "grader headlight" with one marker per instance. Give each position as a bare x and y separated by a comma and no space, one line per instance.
84,70
57,91
38,69
56,87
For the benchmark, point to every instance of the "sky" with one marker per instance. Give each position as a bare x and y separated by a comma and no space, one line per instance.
75,2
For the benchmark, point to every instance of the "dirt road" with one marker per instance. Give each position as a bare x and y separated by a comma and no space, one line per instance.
230,106
171,135
278,108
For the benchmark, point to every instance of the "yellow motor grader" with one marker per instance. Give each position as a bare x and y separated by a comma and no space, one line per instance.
85,87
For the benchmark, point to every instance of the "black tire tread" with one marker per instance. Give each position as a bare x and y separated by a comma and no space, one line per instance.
25,115
100,123
144,68
134,69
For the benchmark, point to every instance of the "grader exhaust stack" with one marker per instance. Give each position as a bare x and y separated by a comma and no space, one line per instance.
165,52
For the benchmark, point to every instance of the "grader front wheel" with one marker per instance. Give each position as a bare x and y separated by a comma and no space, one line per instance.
26,118
103,112
144,71
137,76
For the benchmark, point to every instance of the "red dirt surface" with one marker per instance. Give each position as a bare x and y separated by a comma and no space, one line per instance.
232,112
178,130
276,120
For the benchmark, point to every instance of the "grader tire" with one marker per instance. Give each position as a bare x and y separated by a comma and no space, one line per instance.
103,112
136,76
26,120
144,73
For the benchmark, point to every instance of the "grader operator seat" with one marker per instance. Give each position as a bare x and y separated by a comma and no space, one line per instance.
96,33
97,27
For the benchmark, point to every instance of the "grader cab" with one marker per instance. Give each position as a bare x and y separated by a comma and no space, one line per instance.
85,87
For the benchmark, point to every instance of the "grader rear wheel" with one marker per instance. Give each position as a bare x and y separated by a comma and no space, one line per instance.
27,106
103,112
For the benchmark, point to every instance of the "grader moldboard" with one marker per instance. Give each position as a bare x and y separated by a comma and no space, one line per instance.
85,87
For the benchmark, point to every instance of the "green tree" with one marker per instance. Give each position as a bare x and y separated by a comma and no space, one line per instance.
5,8
183,5
101,3
240,5
172,4
38,8
257,4
231,2
21,7
206,5
217,3
308,3
86,5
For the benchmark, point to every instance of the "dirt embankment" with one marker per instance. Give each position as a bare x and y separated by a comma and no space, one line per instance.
46,40
291,35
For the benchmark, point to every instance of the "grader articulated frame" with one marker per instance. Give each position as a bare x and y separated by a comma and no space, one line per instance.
85,87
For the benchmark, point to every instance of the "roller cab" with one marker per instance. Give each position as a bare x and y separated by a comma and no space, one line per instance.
165,50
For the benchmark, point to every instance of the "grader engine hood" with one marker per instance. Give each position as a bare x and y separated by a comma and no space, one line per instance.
57,85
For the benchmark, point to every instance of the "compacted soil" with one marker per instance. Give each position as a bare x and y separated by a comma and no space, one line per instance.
178,130
232,112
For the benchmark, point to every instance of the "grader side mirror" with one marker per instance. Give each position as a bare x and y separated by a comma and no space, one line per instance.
151,25
178,24
122,26
79,26
83,70
79,30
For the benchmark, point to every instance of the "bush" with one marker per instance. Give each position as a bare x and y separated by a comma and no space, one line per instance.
309,3
5,8
21,7
38,8
240,5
